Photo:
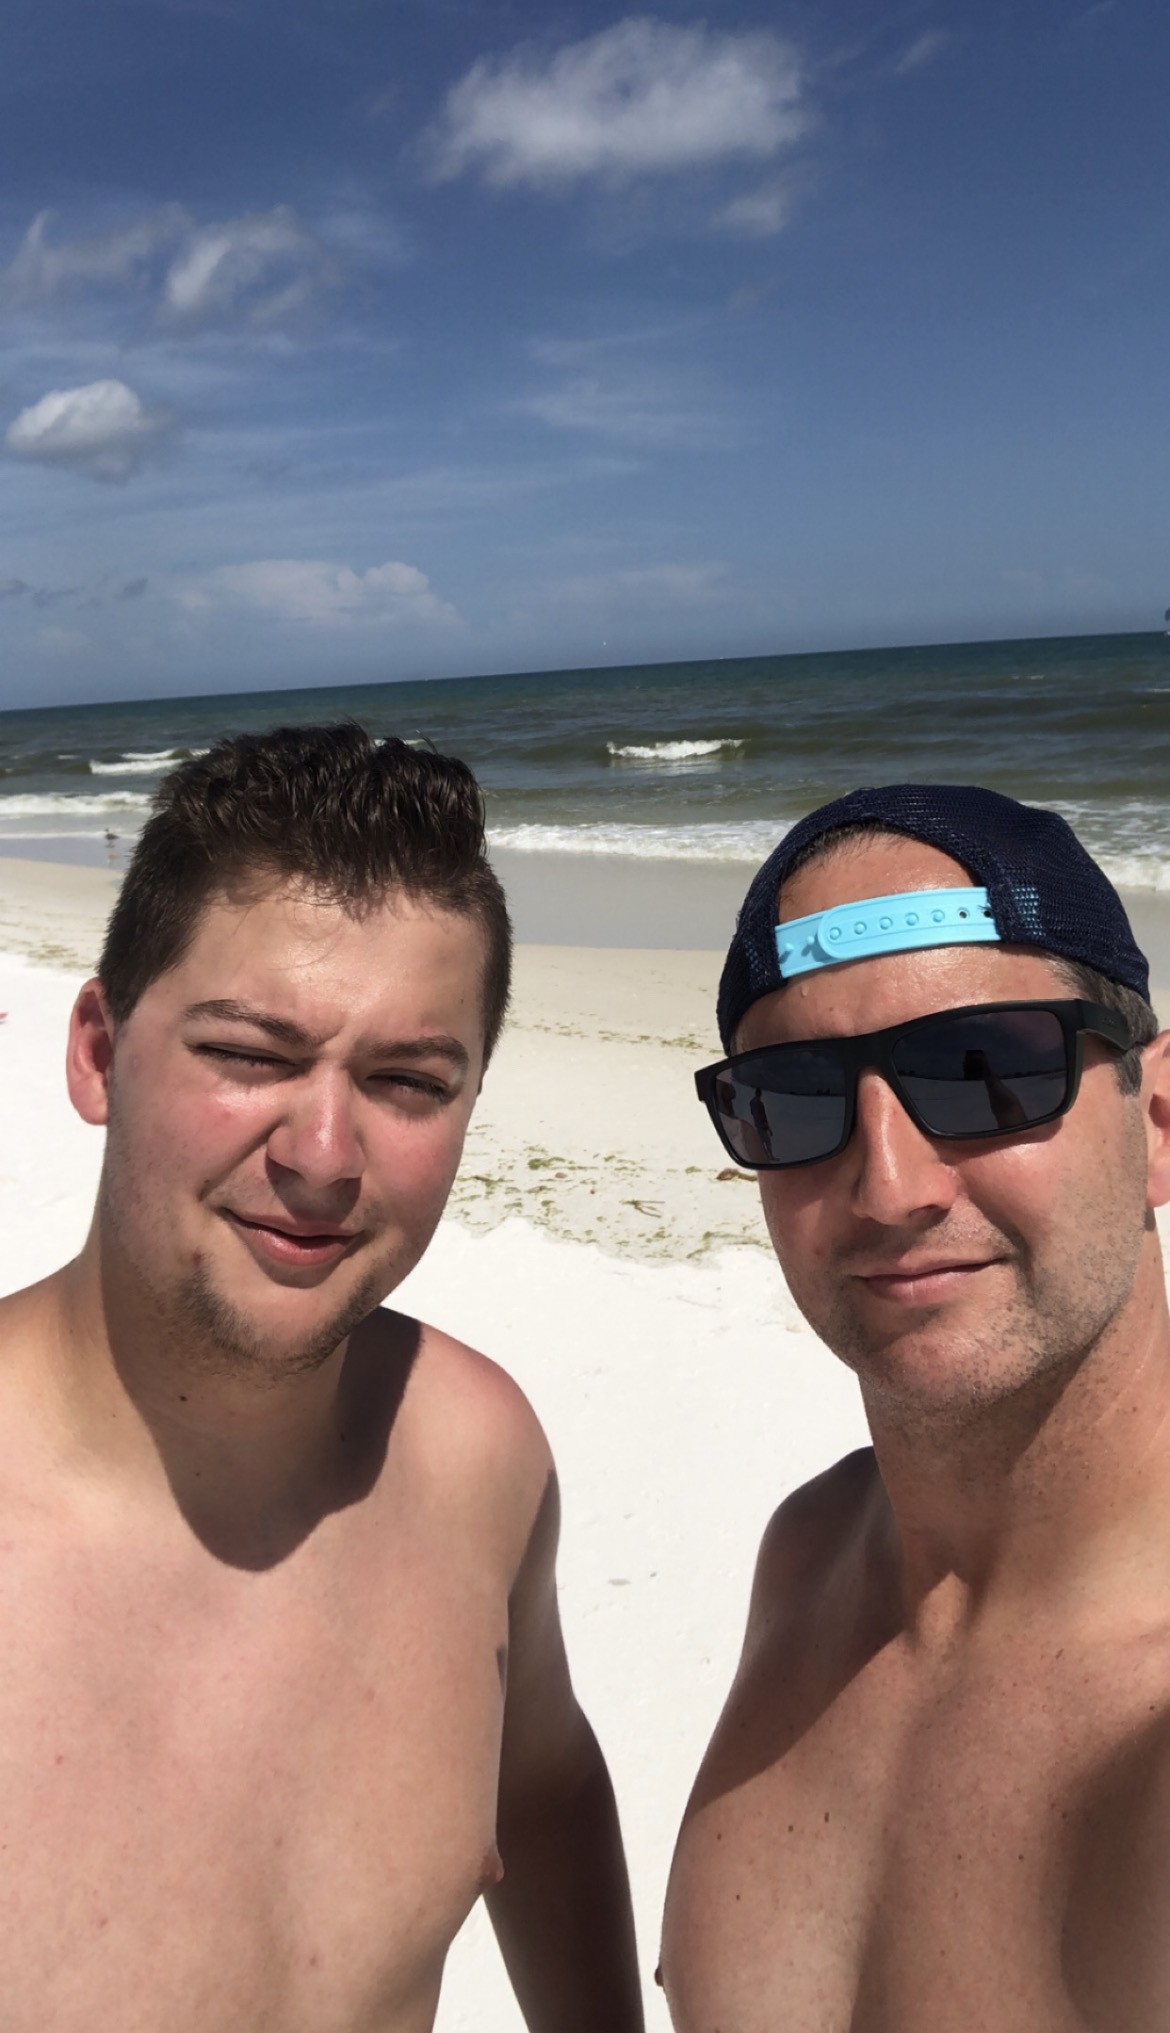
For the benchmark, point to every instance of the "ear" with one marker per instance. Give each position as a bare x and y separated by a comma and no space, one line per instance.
1156,1106
89,1054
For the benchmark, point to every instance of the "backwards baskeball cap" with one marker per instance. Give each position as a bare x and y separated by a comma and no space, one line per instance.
1037,887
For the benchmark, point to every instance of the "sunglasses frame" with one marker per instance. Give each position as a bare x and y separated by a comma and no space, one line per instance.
875,1049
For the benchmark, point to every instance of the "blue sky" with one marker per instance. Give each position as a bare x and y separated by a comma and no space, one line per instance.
357,341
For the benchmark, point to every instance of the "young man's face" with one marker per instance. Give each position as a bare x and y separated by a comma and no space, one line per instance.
286,1111
949,1273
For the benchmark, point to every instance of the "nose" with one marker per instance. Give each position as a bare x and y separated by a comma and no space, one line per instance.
898,1173
317,1137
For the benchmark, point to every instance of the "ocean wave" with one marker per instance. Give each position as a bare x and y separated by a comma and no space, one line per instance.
1135,856
1137,871
1128,837
671,751
60,805
749,841
144,762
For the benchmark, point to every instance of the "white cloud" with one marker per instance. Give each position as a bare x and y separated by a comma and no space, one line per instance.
758,214
103,429
325,594
258,269
923,50
641,97
41,271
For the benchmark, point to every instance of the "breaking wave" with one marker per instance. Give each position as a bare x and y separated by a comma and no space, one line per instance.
59,805
748,841
144,762
672,751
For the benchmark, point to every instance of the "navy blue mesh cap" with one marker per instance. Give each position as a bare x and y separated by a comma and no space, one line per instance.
1045,890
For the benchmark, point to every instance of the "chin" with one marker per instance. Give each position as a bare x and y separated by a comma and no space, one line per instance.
934,1358
285,1332
954,1379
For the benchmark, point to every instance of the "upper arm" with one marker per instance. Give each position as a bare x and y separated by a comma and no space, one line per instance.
487,1446
790,1620
547,1744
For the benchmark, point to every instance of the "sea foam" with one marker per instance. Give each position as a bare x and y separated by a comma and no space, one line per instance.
748,841
142,762
672,751
60,805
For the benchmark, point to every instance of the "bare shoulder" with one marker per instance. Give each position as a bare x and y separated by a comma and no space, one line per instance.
800,1614
29,1318
482,1407
806,1538
469,1429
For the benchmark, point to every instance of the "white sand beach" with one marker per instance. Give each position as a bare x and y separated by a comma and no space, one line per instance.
598,1246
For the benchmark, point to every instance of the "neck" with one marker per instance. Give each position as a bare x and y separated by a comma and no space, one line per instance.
251,1460
1055,1486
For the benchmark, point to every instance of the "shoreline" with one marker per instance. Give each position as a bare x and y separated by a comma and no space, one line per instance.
609,902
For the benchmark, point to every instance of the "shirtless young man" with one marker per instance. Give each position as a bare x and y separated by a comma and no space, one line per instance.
938,1799
284,1687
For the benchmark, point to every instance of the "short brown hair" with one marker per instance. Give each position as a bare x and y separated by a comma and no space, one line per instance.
350,816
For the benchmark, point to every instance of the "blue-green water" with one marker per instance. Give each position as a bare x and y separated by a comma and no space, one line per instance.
706,761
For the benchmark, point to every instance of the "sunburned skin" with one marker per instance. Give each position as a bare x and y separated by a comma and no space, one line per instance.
938,1798
284,1687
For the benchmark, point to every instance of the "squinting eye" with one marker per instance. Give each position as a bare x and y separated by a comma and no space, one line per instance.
413,1083
232,1057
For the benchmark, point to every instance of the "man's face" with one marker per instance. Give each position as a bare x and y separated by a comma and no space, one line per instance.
286,1112
948,1274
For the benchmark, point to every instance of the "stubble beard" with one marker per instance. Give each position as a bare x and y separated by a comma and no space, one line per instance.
219,1340
1032,1343
205,1332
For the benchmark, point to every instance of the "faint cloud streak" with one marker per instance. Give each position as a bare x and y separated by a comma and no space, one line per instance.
756,215
634,412
42,271
258,269
923,50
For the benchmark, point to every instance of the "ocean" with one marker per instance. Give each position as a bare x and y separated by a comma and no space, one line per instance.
677,762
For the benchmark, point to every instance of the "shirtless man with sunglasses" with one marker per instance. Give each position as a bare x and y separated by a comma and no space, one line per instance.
938,1799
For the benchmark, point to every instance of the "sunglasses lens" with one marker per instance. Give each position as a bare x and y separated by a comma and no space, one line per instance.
784,1108
980,1074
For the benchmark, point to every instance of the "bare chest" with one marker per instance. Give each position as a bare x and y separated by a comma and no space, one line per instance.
893,1868
268,1806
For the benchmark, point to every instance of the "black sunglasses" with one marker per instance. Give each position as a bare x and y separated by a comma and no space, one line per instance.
990,1069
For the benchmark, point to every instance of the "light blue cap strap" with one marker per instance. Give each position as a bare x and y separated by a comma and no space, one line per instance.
885,924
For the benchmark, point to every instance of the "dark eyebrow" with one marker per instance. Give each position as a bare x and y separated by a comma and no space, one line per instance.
227,1010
